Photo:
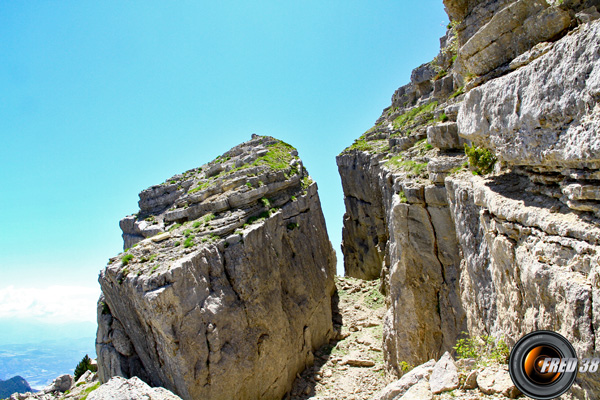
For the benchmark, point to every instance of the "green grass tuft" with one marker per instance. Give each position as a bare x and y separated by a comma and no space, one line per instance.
189,242
126,259
174,227
89,390
402,196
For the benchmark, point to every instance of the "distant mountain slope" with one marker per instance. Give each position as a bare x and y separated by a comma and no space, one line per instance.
41,362
13,385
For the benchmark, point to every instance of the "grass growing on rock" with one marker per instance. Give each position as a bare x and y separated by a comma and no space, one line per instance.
278,157
411,167
360,144
89,390
126,259
420,114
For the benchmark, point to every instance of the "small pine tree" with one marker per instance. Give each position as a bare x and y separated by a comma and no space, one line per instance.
84,365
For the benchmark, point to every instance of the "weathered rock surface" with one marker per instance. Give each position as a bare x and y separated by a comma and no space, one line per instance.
496,380
504,255
232,302
545,114
444,376
510,32
419,391
119,388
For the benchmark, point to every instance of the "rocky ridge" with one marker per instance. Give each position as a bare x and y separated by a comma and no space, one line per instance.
226,289
473,196
87,387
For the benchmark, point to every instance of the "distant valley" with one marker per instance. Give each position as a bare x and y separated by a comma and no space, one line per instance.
41,352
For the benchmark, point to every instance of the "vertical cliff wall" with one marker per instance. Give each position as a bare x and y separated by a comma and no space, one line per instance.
488,248
224,290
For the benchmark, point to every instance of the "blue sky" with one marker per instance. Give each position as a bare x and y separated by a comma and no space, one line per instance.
99,100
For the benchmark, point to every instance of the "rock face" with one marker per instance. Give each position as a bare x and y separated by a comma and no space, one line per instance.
505,254
227,289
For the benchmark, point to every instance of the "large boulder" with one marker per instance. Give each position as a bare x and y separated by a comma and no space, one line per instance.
232,302
118,388
444,376
60,384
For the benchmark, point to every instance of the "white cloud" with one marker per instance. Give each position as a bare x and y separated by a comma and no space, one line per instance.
52,304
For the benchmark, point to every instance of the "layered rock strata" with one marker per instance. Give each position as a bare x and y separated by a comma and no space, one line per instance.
503,254
226,290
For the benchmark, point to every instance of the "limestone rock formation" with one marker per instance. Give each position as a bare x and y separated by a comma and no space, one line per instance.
226,289
513,251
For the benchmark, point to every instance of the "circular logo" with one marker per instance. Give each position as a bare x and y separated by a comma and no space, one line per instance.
543,365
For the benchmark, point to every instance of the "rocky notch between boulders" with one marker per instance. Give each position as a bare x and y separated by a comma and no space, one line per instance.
226,290
466,245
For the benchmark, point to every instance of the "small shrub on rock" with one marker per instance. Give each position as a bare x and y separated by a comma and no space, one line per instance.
481,159
483,349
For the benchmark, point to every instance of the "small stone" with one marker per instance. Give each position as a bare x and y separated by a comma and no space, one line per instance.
465,363
161,237
471,381
355,362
